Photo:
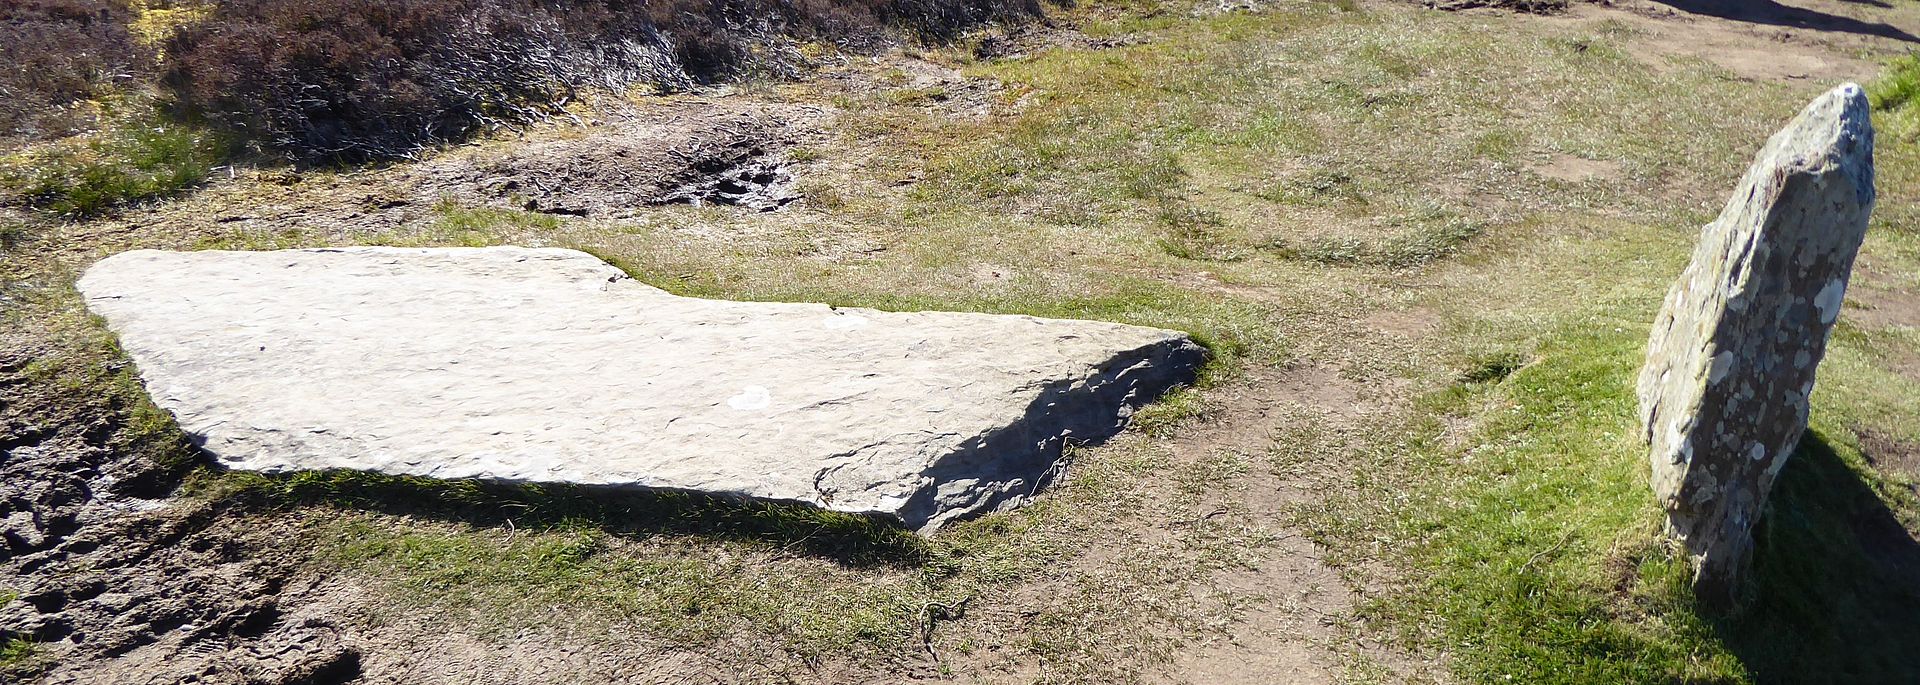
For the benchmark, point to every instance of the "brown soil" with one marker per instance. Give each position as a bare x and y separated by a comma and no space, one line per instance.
1564,167
122,584
1890,455
1879,297
1406,323
1761,40
693,150
1295,604
1531,6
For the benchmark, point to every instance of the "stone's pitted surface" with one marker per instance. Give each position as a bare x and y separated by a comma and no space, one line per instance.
548,365
1723,397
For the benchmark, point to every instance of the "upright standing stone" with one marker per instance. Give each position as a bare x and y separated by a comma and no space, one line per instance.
1723,397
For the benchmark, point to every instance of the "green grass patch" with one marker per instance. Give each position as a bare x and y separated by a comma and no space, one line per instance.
1421,239
1540,553
456,218
847,538
17,652
1541,548
688,597
1896,96
133,160
688,569
1196,234
1835,591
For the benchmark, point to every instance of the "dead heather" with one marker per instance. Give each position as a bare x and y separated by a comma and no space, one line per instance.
1294,184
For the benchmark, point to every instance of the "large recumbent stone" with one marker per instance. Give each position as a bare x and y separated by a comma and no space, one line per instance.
548,365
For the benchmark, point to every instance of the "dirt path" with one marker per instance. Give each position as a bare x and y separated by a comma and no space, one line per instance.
1295,607
1762,40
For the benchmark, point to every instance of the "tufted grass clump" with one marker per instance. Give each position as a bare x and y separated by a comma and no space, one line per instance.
134,161
17,652
1427,239
1896,96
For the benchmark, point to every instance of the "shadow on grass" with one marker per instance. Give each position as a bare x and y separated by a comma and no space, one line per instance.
1835,591
849,539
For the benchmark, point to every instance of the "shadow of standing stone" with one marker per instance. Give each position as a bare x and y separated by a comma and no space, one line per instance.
1730,366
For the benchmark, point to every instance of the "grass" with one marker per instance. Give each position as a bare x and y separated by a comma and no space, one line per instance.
1423,239
689,598
17,652
154,25
1545,564
135,159
456,224
847,538
1533,547
1896,96
1273,182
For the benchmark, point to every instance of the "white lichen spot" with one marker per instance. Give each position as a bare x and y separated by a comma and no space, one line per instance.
1773,469
1756,451
1717,369
1828,301
1801,359
750,398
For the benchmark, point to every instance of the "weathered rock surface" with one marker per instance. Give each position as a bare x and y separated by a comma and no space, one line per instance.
1724,394
548,365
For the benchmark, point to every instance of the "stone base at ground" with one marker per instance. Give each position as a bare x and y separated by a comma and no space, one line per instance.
548,365
1730,367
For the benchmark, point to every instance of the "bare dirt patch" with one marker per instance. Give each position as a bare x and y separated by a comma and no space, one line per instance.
1890,455
1769,41
1415,322
729,160
1763,41
1883,298
1879,308
1565,167
1293,603
116,584
1271,616
1290,605
692,150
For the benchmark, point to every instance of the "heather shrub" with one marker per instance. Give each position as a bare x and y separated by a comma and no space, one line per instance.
349,80
56,54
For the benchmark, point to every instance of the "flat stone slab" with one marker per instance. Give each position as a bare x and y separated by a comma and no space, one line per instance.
547,365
